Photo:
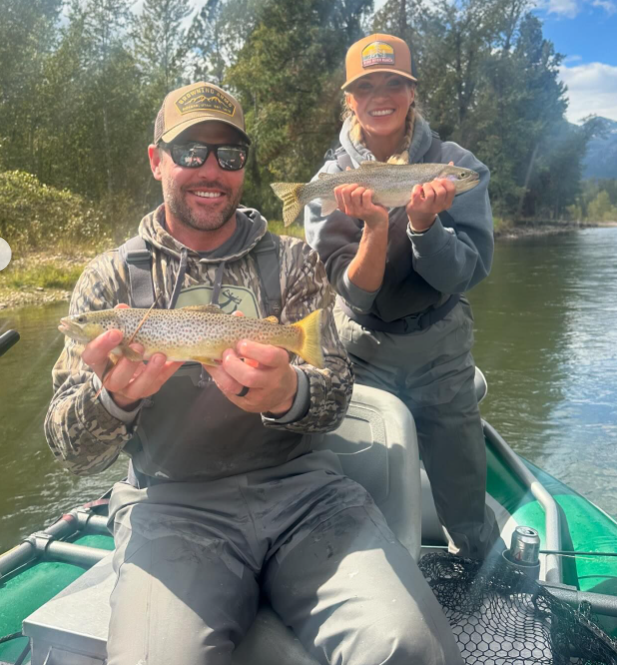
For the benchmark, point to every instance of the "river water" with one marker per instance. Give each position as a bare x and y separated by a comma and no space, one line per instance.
546,339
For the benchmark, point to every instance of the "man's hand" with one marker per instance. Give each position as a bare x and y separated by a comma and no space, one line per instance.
357,201
127,382
263,369
427,201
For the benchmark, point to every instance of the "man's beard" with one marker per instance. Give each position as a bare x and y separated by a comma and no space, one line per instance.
205,220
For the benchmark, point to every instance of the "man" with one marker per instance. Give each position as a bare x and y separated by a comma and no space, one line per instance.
225,497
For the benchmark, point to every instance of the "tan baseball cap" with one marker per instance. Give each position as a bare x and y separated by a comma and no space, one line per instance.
377,53
195,103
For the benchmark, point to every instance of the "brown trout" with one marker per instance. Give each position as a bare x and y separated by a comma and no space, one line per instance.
391,185
198,334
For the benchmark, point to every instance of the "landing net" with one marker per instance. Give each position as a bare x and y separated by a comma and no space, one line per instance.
500,616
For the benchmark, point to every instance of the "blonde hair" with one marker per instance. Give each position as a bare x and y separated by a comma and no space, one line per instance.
401,156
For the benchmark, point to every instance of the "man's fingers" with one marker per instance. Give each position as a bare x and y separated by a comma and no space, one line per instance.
97,351
225,382
148,382
265,354
125,370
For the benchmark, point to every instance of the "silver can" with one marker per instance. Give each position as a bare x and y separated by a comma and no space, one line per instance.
525,546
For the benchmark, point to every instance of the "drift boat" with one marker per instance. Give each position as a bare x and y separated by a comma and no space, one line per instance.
55,585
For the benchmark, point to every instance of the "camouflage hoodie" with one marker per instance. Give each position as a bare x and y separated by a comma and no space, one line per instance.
87,434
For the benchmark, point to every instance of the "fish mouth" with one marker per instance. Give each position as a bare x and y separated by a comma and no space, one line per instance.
72,330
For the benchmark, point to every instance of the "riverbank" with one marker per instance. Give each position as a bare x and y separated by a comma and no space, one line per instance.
507,232
41,278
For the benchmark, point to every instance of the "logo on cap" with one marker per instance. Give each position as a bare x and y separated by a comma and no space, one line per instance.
205,98
377,53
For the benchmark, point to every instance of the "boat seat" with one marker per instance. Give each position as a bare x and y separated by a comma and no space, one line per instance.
377,447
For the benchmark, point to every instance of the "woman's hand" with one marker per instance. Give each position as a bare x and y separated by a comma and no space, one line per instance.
357,201
427,201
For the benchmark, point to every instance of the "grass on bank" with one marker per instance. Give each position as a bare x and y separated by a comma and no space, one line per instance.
50,275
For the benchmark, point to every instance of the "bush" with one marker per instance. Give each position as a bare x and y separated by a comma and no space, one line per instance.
35,216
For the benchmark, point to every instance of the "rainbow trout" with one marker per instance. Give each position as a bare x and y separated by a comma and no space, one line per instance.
199,334
391,185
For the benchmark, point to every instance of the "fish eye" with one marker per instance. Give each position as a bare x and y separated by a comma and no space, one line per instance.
463,174
80,319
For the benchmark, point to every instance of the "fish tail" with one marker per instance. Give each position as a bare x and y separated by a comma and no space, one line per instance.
289,193
310,340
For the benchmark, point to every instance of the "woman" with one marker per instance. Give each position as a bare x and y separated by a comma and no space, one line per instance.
400,275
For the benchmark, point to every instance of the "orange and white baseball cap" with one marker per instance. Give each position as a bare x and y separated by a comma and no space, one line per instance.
195,103
377,53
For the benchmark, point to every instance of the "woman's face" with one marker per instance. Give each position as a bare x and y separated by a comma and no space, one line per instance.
380,101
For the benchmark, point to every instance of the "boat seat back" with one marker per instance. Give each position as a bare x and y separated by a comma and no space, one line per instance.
377,446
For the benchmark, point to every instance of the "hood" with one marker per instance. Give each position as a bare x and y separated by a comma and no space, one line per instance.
420,143
152,229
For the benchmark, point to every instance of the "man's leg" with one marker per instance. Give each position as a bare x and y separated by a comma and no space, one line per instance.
183,594
354,595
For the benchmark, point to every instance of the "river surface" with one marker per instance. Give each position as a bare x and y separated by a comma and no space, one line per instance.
546,339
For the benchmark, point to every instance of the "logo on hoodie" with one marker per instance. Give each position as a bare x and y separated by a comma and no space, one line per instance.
377,53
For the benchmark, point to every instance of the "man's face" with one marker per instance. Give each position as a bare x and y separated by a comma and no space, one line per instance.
203,198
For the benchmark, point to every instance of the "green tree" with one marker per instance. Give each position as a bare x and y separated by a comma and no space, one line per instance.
28,33
161,43
288,76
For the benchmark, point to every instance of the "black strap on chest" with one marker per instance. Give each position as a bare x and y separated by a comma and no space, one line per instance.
269,269
137,255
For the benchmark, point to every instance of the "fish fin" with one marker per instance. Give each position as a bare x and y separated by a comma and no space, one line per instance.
310,347
208,309
372,165
205,360
271,319
328,207
127,352
289,193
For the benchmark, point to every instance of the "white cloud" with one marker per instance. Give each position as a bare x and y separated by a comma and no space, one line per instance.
609,6
592,89
566,8
571,8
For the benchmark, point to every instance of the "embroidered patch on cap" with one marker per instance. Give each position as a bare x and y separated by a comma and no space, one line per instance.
377,53
205,98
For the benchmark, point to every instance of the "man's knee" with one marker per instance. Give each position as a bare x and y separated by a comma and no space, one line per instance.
401,639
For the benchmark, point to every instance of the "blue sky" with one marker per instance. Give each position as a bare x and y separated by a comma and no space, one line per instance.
585,32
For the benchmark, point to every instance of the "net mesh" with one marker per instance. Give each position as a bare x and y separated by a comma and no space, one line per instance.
501,616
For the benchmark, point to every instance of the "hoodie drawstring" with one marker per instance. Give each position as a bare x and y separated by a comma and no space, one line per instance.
179,278
218,283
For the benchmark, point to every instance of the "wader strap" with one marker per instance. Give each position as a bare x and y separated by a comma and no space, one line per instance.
343,159
137,256
268,266
406,325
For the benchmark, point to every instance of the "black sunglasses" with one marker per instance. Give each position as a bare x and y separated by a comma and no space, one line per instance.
193,154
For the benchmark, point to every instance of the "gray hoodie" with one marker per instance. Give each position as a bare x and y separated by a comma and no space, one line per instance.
450,257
